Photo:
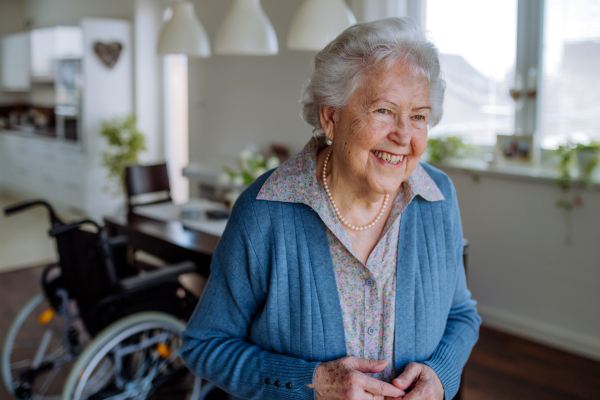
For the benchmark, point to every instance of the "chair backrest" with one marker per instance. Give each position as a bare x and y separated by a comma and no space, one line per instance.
147,179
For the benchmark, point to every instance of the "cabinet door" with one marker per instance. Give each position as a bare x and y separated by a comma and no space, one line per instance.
68,42
42,54
15,62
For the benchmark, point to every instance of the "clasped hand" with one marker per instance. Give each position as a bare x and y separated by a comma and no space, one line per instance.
345,379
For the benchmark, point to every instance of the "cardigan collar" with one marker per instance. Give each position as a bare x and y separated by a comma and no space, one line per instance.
294,180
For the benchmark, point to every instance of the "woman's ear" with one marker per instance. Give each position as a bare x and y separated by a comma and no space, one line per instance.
327,115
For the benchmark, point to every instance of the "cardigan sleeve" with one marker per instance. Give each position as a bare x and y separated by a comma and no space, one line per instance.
462,327
215,344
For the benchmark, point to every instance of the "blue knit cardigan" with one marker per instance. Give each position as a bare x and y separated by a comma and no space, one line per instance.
270,312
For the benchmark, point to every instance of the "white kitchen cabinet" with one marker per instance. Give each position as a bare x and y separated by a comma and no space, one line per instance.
15,62
50,44
42,54
68,42
42,168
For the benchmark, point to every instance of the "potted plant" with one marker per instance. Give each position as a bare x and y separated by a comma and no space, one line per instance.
252,165
587,158
125,143
444,147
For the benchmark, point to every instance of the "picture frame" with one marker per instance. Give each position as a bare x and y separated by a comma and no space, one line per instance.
515,149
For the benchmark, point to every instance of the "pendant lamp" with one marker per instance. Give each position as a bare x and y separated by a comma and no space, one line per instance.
317,23
246,30
183,33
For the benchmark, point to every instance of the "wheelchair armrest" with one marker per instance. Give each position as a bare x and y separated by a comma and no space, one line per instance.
156,277
118,241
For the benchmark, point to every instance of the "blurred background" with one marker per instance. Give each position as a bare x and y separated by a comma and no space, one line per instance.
519,139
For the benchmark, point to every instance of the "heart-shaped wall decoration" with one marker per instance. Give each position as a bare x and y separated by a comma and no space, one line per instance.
108,53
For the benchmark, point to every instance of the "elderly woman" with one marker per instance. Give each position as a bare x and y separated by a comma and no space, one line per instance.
339,275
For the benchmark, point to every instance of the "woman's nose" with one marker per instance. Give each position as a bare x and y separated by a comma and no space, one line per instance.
401,132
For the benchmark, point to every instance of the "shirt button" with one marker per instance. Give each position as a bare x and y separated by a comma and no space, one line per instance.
371,331
267,381
277,383
288,385
369,282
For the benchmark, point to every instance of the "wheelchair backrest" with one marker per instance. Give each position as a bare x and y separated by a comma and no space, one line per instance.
85,270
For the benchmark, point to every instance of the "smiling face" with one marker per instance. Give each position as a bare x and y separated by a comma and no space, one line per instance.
381,134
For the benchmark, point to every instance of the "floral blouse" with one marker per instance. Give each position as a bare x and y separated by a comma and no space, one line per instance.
367,291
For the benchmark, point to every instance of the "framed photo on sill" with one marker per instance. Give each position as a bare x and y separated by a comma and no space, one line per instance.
514,150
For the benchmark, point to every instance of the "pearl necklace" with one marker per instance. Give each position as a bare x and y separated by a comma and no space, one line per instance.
339,214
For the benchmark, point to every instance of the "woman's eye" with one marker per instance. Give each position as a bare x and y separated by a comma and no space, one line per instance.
420,117
383,111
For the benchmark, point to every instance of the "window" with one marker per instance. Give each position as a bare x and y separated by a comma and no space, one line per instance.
570,90
477,44
504,43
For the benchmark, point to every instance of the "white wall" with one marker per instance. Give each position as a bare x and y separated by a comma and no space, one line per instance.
108,94
148,77
12,16
523,276
236,100
520,270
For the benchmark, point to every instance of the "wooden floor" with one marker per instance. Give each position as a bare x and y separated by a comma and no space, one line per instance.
501,367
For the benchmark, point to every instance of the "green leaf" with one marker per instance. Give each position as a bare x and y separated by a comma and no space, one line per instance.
125,143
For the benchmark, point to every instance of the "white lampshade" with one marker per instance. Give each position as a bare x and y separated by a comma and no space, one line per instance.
246,30
183,33
317,23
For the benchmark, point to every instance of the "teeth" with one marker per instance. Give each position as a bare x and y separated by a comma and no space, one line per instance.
388,157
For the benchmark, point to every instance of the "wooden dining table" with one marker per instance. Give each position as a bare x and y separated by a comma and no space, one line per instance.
167,240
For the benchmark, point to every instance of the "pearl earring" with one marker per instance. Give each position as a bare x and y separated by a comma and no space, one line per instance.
329,142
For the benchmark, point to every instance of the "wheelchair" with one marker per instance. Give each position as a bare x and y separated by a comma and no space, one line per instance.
100,329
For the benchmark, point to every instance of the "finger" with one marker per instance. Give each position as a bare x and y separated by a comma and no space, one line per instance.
371,396
424,389
410,374
379,388
418,393
367,366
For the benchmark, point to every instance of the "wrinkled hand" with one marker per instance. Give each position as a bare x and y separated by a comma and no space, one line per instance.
345,379
423,381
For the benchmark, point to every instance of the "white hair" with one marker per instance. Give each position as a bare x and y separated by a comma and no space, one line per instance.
341,66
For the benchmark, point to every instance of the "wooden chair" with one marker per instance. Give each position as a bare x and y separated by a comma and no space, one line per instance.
147,184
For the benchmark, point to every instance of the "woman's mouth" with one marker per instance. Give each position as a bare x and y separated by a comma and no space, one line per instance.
387,157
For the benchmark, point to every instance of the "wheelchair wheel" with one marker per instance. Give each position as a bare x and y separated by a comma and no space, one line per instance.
134,358
35,356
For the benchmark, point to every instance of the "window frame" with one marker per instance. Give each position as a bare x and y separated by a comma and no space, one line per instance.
530,37
529,55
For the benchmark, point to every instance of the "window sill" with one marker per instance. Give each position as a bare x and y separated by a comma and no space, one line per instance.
510,172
